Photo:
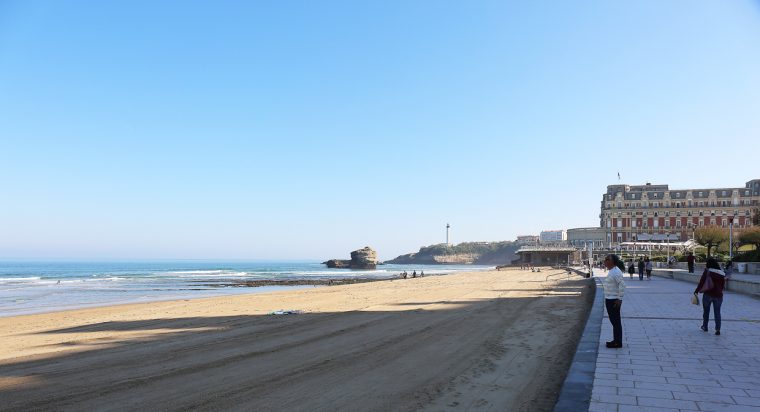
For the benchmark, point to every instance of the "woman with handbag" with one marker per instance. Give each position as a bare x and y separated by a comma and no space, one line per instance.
711,286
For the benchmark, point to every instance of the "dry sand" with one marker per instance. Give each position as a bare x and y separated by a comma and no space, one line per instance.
498,340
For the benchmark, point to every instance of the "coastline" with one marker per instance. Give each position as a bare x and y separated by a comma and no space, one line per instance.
28,287
394,344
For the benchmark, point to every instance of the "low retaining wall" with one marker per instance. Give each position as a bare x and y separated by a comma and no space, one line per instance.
579,382
734,285
752,268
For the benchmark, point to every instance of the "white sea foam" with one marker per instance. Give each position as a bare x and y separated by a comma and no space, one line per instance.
20,279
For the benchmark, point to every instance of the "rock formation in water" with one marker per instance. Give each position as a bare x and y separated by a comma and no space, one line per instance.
364,258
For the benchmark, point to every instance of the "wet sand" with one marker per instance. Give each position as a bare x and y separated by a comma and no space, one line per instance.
497,340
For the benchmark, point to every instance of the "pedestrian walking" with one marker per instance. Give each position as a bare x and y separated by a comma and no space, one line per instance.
614,288
711,285
648,268
642,265
631,269
690,262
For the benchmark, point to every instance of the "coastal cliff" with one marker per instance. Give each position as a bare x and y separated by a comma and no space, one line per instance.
469,253
364,258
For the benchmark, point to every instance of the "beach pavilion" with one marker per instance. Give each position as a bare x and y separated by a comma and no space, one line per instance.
546,255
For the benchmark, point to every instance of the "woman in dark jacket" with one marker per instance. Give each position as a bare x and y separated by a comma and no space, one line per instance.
713,296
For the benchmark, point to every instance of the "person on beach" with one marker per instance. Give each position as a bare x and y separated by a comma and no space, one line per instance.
712,296
614,288
690,262
648,268
642,265
414,274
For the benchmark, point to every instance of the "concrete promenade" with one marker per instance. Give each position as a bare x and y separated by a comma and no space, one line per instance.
667,363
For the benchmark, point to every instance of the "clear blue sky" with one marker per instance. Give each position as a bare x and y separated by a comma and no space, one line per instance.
307,129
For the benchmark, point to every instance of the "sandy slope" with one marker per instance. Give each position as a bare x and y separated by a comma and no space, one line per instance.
480,341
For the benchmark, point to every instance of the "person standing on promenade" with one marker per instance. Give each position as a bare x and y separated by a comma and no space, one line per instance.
642,265
648,268
631,269
690,261
712,296
614,288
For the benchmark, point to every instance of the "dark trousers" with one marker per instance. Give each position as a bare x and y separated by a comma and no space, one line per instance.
691,268
716,302
613,312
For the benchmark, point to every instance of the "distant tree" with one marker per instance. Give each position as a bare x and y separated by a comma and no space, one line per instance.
750,236
710,236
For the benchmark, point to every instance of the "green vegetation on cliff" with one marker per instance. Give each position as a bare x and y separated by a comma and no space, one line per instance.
480,253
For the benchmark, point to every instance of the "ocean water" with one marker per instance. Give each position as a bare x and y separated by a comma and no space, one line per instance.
44,286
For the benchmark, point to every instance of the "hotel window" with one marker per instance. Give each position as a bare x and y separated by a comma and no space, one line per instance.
724,193
701,204
701,222
678,195
712,221
725,223
700,194
678,223
689,203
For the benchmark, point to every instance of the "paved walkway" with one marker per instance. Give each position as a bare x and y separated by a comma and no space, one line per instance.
667,363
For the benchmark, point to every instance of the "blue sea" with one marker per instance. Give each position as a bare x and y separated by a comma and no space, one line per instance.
45,286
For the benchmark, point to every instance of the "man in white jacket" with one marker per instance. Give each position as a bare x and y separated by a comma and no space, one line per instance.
614,288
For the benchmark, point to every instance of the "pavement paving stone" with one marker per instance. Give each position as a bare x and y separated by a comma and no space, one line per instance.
619,399
602,407
630,408
667,363
645,393
668,403
704,397
722,407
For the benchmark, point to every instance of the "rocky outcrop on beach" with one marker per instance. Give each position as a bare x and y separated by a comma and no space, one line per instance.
364,258
478,253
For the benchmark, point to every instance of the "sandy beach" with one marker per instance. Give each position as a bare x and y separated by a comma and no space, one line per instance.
493,340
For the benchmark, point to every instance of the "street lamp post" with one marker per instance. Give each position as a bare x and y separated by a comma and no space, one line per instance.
667,246
731,238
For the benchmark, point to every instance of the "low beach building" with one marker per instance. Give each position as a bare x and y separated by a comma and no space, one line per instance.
546,255
552,236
